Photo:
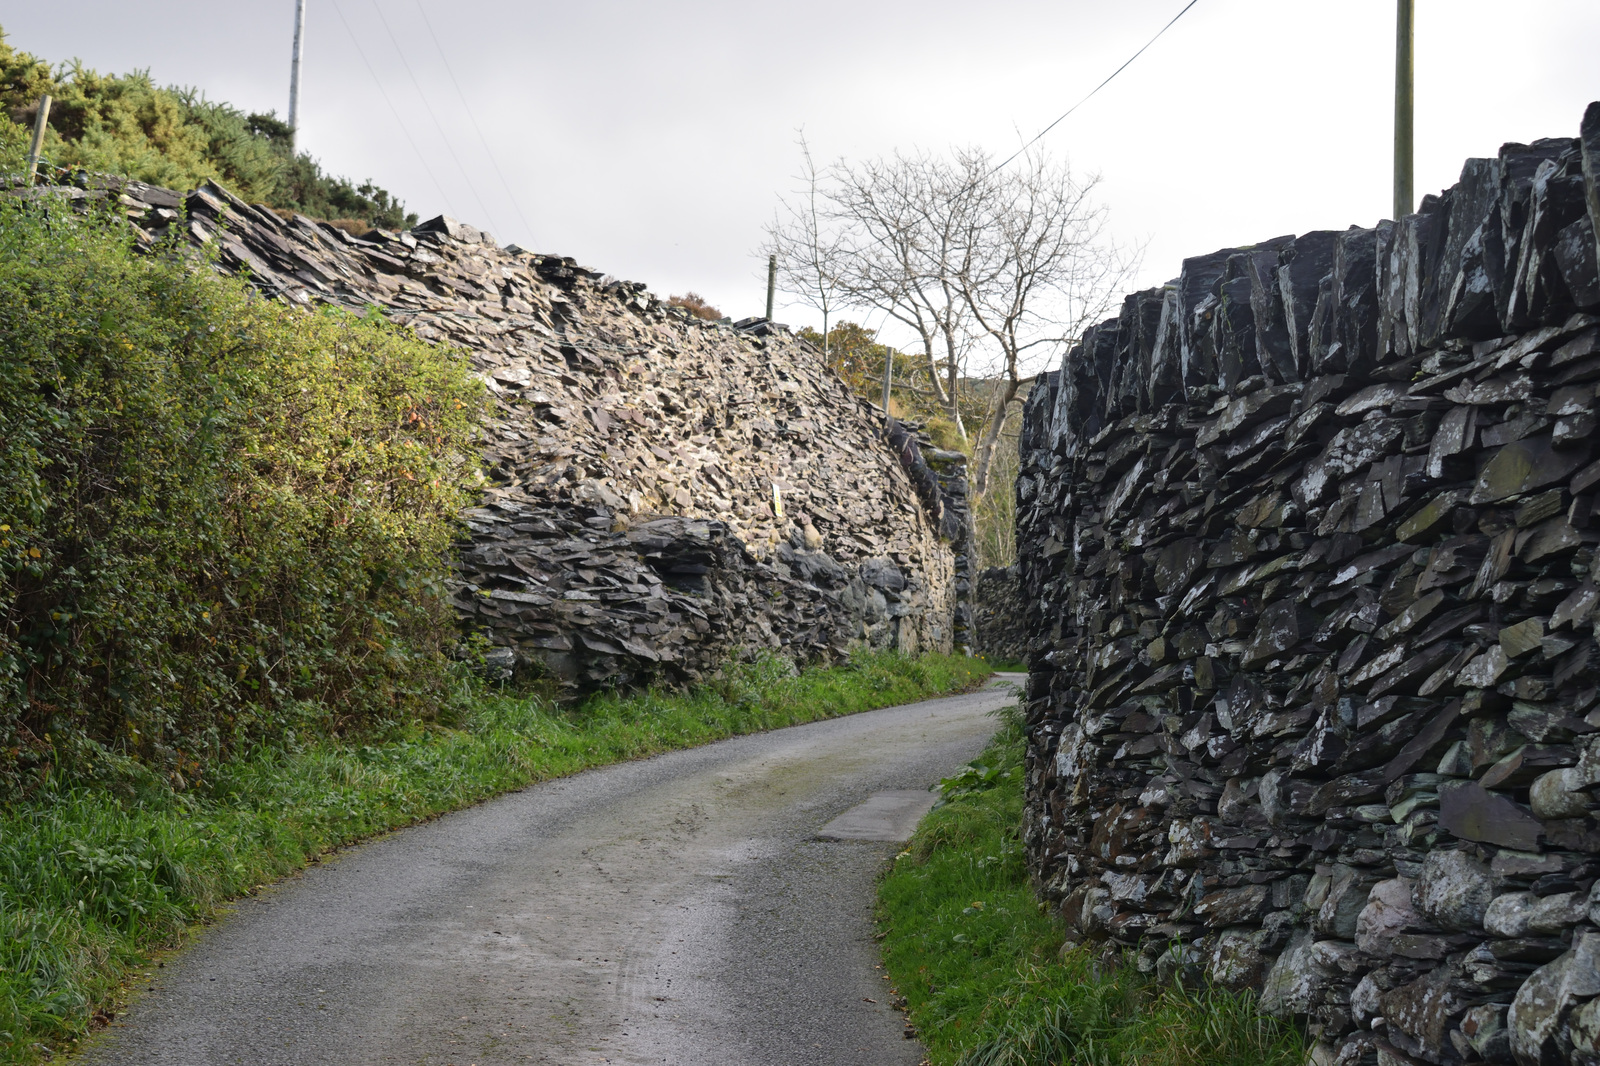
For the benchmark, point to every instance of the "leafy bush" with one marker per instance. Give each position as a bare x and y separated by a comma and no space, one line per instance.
696,305
128,125
220,517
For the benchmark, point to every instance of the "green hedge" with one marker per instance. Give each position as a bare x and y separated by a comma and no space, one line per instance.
218,514
127,124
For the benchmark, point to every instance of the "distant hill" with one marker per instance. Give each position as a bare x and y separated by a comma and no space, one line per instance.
175,137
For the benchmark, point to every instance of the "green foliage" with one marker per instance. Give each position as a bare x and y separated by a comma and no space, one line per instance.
216,511
856,356
128,125
981,967
93,879
249,152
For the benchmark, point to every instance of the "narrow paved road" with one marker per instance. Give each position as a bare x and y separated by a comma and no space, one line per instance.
679,910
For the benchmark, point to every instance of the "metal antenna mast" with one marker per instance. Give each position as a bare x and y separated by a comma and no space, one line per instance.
294,71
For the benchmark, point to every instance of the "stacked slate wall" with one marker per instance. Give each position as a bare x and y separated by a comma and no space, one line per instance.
662,493
998,622
1307,543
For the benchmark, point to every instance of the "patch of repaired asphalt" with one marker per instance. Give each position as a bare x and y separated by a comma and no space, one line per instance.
883,816
678,910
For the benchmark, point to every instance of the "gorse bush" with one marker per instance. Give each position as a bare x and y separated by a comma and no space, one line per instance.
220,517
127,124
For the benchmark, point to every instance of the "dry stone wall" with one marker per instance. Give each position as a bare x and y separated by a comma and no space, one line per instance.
998,625
1308,543
664,493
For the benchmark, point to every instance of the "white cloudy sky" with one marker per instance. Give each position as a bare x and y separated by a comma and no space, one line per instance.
649,140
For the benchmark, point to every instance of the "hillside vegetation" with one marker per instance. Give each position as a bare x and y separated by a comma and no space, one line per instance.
126,124
221,517
856,355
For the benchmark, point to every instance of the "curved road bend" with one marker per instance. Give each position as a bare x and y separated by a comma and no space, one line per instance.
680,910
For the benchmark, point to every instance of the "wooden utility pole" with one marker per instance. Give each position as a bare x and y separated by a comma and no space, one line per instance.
1404,52
772,283
36,147
294,71
888,375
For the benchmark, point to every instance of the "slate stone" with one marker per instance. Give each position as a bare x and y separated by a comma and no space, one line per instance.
1522,638
1389,912
1471,813
1234,906
1521,914
1483,670
1424,1007
1544,1000
1577,607
1523,466
1453,889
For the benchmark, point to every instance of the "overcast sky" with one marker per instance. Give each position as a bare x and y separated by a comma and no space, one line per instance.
650,140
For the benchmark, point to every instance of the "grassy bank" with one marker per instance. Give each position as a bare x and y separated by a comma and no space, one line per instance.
93,879
981,969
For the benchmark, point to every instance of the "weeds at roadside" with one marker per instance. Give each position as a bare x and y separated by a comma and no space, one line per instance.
980,966
93,879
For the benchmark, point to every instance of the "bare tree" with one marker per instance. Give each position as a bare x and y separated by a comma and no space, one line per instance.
1038,270
807,243
990,269
905,219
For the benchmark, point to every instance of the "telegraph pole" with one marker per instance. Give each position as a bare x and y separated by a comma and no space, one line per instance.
1404,53
772,283
294,71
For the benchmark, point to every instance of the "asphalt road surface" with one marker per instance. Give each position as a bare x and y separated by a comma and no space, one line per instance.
680,910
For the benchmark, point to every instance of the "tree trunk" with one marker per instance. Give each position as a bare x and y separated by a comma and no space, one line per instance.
933,371
952,398
991,434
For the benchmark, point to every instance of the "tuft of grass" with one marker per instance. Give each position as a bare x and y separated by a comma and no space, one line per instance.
980,964
94,879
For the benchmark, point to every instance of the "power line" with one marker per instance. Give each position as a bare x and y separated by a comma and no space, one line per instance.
454,155
392,109
1097,88
481,138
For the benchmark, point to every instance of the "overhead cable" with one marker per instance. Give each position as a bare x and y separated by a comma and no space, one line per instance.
1097,88
481,138
404,129
454,155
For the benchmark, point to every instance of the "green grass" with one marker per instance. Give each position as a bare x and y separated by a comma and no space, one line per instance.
1005,666
94,880
980,965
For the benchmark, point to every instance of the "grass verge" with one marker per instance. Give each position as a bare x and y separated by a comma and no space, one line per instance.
980,966
95,879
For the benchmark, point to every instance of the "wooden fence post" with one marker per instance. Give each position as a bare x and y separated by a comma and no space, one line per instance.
36,148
